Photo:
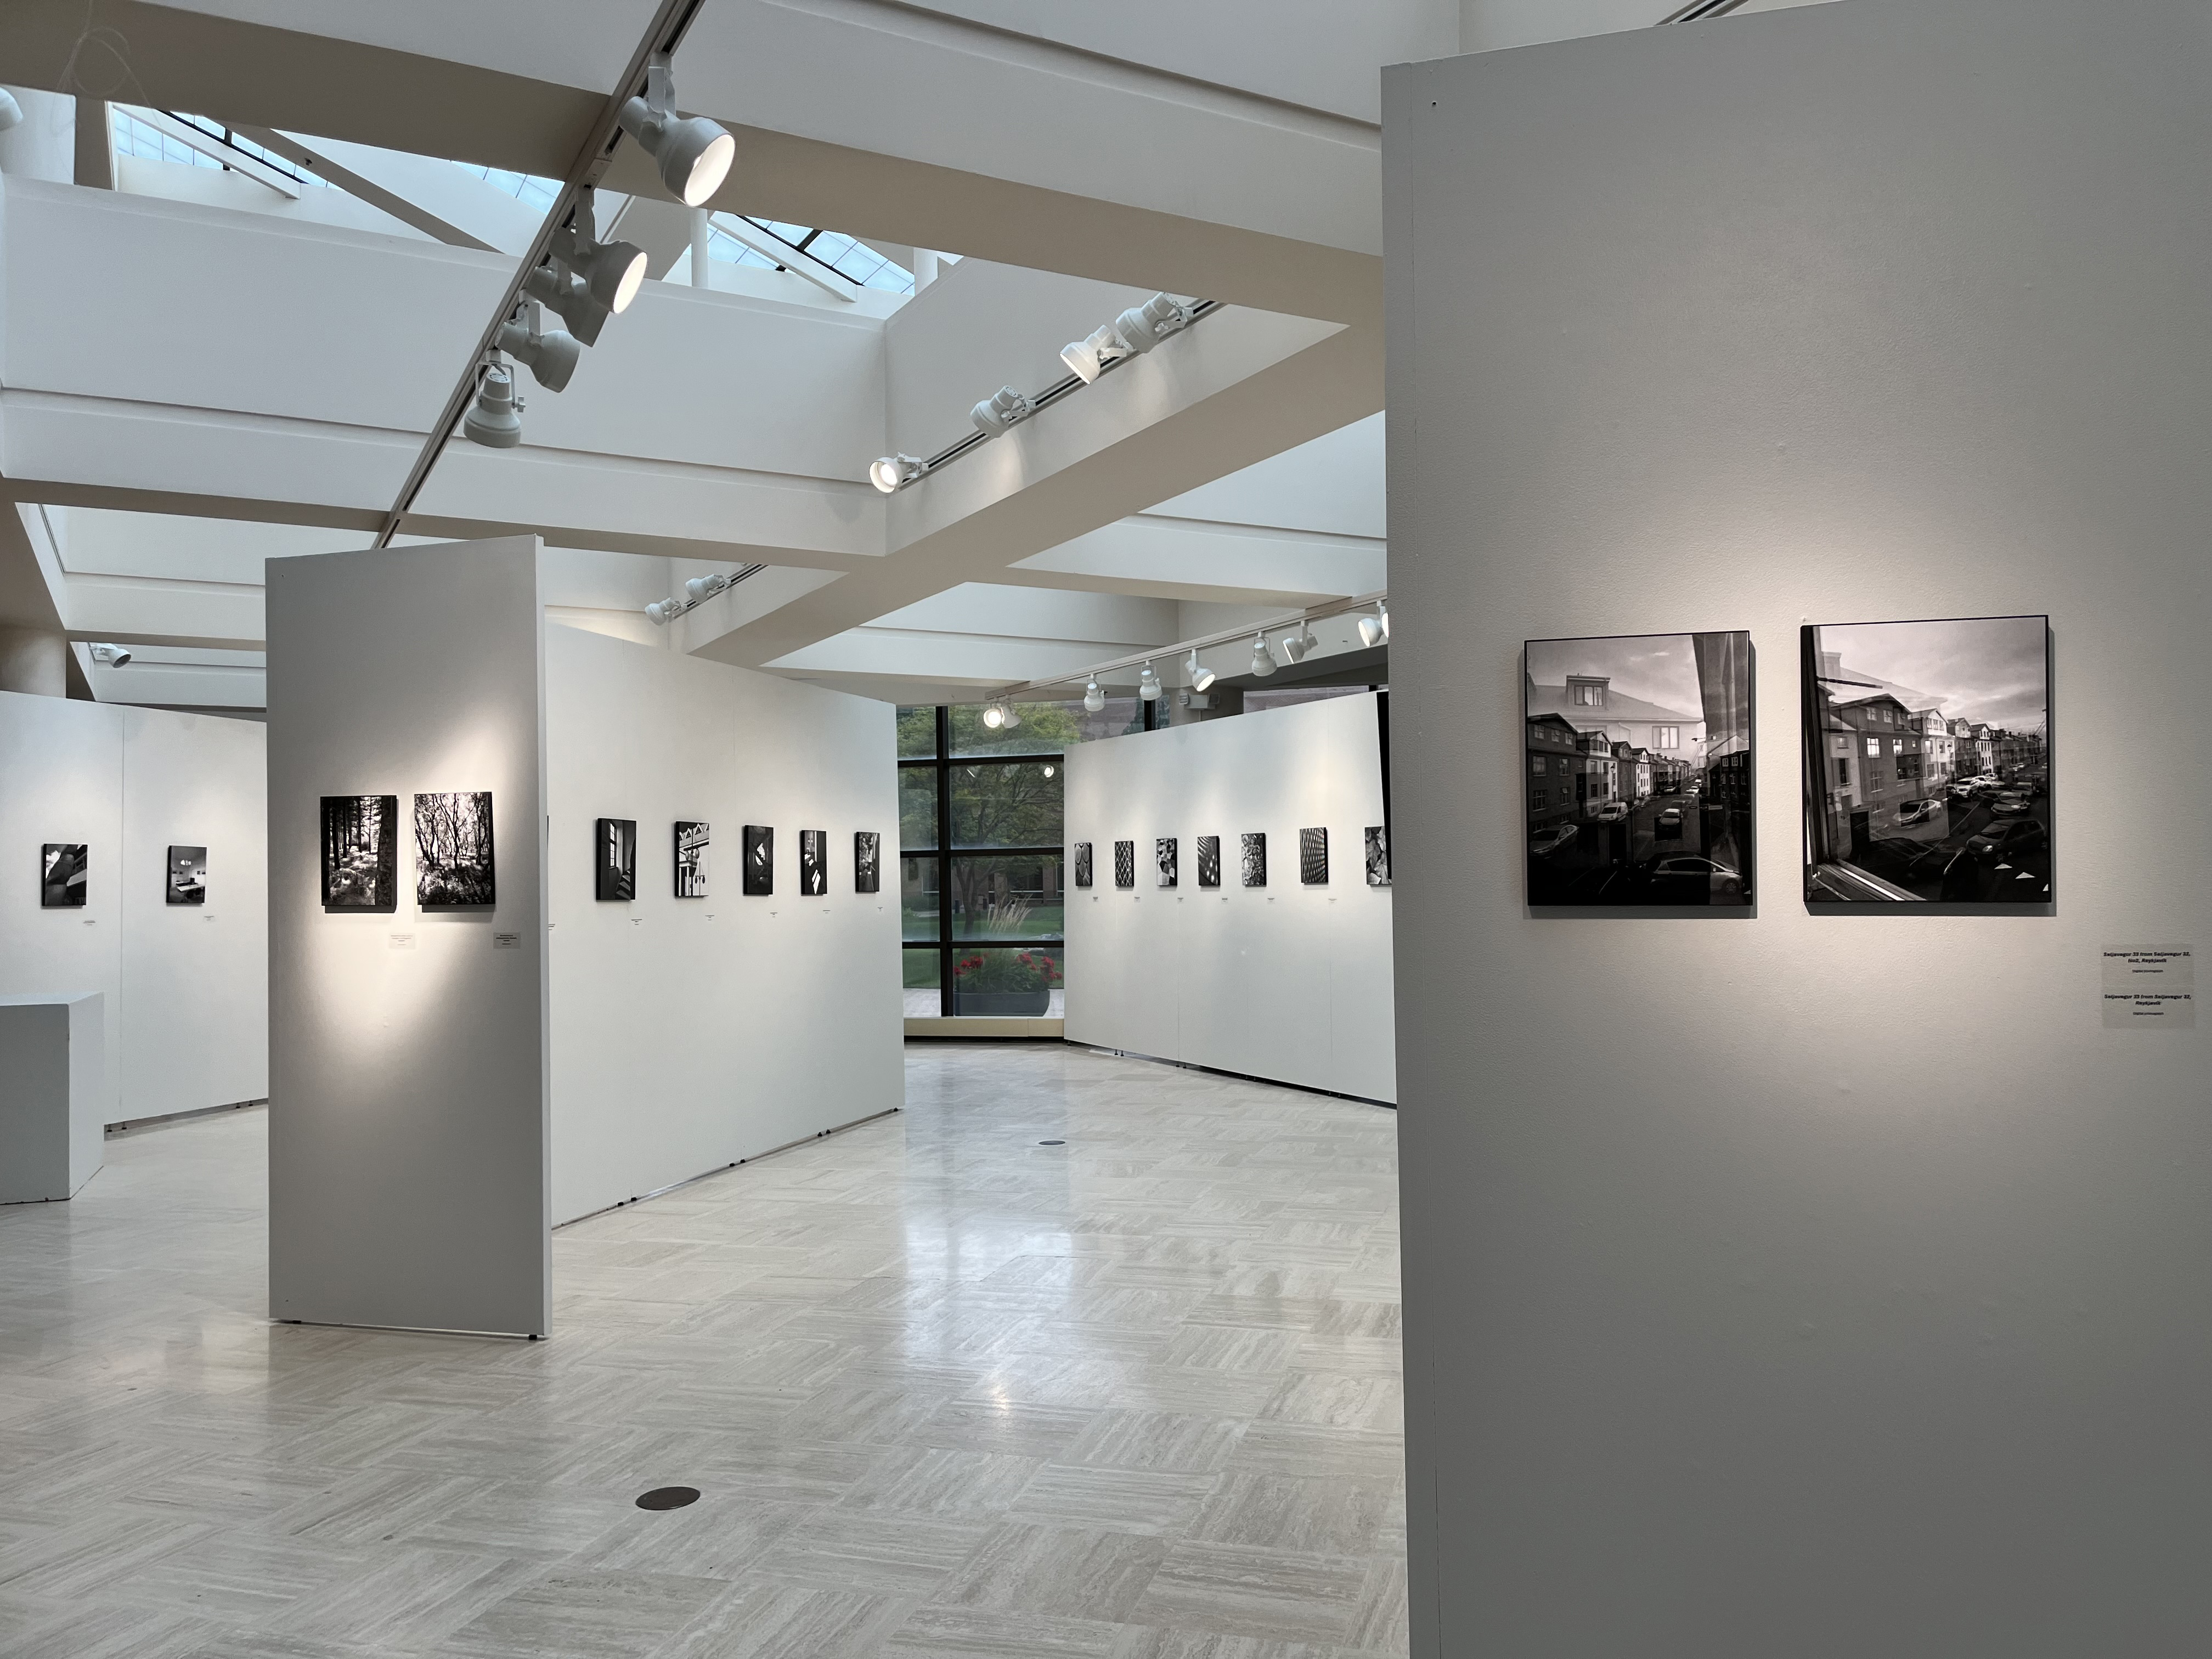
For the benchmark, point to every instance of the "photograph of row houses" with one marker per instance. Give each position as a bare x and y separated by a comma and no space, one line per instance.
1638,770
1928,762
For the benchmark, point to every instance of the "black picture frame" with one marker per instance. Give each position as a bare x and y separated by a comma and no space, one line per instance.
454,865
691,840
1083,863
867,862
813,863
1209,860
1313,857
184,876
1254,860
1378,856
65,874
1125,864
614,856
1167,859
361,852
759,862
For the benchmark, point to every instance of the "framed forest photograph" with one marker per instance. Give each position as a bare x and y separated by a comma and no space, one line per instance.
453,851
360,852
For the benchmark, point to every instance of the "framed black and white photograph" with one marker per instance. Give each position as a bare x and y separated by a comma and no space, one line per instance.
187,882
760,861
1209,860
1083,863
1378,856
867,862
452,851
813,862
1165,856
614,843
1125,864
63,869
360,852
1313,857
1255,859
691,840
1928,762
1636,770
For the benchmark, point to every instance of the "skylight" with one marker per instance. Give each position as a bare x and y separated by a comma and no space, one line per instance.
134,136
525,187
846,255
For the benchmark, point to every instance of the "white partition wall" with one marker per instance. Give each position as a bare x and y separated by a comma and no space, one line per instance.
689,1033
407,1134
1808,1285
1289,981
184,1002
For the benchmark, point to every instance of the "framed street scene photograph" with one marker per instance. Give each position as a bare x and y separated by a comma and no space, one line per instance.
62,867
867,862
814,862
1636,772
1928,762
691,843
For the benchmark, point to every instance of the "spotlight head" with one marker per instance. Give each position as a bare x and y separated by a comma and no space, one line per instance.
1298,641
1201,676
693,153
1049,769
11,113
1371,632
993,715
1262,664
114,656
1148,685
1090,356
1094,699
1146,326
1003,408
661,610
564,295
551,358
611,272
705,587
892,473
1383,611
495,418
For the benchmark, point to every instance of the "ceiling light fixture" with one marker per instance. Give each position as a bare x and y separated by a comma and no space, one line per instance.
1201,676
1148,684
1146,326
1262,664
551,358
494,417
694,153
113,656
1094,699
563,293
664,610
1097,352
11,113
610,272
893,473
1376,630
705,587
1004,408
1299,640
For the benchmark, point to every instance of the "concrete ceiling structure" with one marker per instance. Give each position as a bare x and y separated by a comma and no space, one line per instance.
201,368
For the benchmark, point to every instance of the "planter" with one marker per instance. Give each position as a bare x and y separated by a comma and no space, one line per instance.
1003,1004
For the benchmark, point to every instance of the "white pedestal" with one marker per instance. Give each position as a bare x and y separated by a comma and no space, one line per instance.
53,1093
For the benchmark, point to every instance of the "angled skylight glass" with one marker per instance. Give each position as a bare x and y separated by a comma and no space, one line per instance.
527,188
135,137
848,256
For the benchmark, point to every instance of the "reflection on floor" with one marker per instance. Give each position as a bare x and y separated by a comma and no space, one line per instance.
946,1390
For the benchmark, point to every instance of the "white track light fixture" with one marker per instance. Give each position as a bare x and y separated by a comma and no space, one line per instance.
610,272
1148,685
705,587
893,473
694,153
1094,698
1299,640
11,113
1149,323
1201,676
1090,356
495,418
663,611
113,656
992,716
564,294
1000,714
551,358
1262,664
1005,408
1376,630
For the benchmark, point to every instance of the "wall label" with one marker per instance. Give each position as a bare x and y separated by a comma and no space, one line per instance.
2150,986
506,941
402,941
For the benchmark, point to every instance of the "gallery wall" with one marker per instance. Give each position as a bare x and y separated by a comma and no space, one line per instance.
1290,981
186,1008
1793,1283
690,1033
407,1132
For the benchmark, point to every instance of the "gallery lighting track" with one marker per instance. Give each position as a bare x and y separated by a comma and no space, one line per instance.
1374,628
1698,11
1132,334
698,592
564,269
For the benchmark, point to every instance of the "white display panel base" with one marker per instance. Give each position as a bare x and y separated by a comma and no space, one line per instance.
53,1109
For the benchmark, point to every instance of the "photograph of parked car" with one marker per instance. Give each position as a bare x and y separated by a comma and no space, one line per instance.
1928,762
1637,771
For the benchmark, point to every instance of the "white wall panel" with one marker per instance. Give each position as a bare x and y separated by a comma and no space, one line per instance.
690,1033
1287,982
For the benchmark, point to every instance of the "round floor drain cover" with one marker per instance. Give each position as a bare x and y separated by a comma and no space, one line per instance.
1052,1143
669,1497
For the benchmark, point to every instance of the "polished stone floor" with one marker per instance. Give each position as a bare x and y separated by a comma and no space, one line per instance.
945,1390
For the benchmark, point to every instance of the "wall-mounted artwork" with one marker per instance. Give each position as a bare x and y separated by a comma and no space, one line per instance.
1928,762
1637,769
1209,860
614,842
1165,857
814,862
1255,859
360,852
867,862
63,867
453,851
1125,864
1083,863
187,876
1378,856
691,843
1313,857
760,861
